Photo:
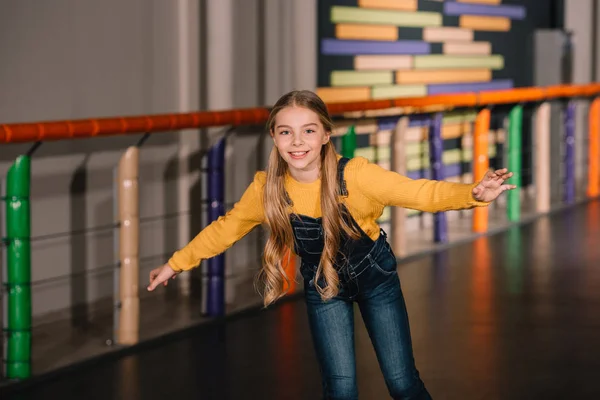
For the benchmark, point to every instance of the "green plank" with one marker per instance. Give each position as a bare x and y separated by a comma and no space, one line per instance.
391,92
443,61
361,78
342,14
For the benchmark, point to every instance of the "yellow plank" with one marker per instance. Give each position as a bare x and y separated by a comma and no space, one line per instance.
383,62
405,5
338,95
480,1
443,76
481,23
467,49
366,32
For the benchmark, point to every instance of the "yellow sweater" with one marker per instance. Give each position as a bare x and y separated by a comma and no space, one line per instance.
370,189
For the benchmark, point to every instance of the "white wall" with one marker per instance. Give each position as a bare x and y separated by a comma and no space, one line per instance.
70,59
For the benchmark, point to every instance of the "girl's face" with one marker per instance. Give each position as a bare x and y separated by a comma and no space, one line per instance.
299,136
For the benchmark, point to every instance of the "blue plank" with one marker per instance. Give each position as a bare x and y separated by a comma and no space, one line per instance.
469,87
508,11
357,47
450,170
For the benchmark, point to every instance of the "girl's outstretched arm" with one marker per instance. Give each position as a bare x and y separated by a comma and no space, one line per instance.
217,237
392,189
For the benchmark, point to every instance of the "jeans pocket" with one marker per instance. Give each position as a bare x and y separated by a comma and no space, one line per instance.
385,263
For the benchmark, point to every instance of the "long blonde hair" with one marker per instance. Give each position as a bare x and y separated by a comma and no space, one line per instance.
272,277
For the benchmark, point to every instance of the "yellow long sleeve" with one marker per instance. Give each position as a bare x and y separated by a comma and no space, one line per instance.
392,189
226,230
370,188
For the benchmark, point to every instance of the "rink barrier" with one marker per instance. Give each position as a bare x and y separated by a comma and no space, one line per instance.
18,313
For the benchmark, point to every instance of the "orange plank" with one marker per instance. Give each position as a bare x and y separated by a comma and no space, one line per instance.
366,32
339,95
405,5
443,76
482,23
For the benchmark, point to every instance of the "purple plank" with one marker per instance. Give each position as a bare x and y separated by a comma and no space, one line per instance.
469,87
513,12
356,47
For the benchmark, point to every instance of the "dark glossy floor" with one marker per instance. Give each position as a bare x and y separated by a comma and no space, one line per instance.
510,316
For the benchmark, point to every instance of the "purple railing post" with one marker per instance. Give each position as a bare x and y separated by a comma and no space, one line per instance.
215,299
569,183
436,149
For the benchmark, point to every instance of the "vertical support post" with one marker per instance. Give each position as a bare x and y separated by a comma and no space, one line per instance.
216,194
481,163
128,197
398,164
18,257
289,266
542,158
436,149
349,142
593,188
569,143
513,208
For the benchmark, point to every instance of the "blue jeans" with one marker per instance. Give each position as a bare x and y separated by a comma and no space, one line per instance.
375,286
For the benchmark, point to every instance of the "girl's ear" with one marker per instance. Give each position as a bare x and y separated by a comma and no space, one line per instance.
326,137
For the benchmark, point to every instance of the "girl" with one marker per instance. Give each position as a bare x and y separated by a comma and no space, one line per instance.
325,207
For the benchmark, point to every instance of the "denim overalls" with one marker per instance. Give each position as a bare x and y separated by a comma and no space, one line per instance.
368,276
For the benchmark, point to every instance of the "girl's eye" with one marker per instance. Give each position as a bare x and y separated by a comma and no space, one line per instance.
309,131
284,132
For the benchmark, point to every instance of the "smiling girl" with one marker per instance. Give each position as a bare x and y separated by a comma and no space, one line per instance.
325,207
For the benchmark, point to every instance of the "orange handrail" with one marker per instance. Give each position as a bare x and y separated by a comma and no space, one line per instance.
98,127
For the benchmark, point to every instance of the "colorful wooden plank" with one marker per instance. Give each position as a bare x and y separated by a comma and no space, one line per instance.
356,47
435,61
470,87
366,32
461,48
403,5
443,76
480,23
385,62
394,91
507,11
338,95
480,1
447,33
361,78
343,14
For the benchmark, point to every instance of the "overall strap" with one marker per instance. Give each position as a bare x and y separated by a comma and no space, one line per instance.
342,181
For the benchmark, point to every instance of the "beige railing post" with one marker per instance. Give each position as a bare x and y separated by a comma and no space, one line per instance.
128,215
398,164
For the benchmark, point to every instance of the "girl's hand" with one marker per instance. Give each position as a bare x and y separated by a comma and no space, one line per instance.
492,185
161,275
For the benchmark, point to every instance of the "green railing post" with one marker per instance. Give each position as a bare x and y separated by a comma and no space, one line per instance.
18,259
515,124
349,142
